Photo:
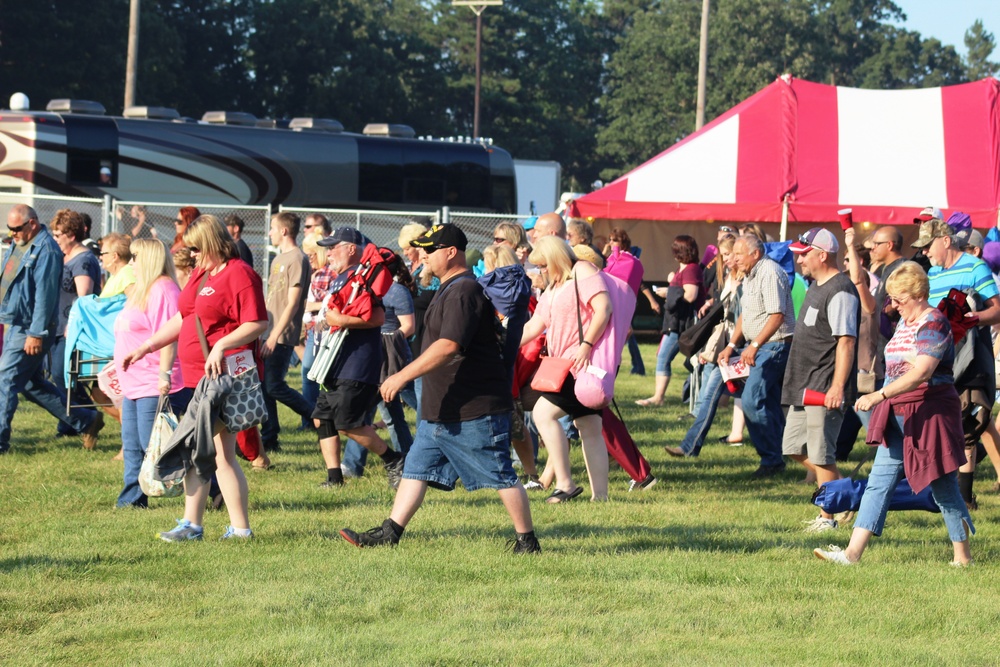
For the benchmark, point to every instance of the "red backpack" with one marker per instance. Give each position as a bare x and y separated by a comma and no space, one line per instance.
370,281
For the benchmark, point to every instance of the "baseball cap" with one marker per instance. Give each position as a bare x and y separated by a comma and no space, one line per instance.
441,236
342,235
106,171
529,223
975,239
929,213
930,230
817,237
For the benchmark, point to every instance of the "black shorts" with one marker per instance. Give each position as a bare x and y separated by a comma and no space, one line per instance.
347,405
566,400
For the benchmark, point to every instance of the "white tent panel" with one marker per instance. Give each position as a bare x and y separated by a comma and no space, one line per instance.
891,147
702,170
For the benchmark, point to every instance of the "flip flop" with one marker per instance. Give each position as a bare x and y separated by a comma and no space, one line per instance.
648,403
559,496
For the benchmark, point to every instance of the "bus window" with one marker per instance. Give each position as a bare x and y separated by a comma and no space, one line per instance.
91,143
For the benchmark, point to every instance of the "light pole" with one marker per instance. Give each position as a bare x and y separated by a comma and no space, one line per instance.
132,62
477,6
702,67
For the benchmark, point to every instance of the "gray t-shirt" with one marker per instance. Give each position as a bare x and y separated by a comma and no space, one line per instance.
84,264
829,311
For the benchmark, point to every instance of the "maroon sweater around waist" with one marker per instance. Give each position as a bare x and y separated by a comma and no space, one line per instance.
933,440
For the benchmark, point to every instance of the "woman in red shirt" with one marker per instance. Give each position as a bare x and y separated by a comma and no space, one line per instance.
228,297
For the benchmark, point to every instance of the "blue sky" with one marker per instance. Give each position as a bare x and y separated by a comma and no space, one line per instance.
949,19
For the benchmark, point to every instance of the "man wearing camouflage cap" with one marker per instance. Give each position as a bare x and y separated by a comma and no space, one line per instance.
951,268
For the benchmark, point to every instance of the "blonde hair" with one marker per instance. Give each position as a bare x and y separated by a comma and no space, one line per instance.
152,262
212,239
556,255
588,254
118,244
512,233
409,232
309,246
909,280
497,255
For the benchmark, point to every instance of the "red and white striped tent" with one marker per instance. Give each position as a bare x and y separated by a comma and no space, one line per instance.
798,151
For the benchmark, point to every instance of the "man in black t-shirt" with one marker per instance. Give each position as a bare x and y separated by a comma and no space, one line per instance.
822,360
466,403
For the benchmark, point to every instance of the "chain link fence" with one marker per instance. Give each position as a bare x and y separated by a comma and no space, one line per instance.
478,227
146,219
46,207
382,227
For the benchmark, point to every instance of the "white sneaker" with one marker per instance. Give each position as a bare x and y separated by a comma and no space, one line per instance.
647,483
820,525
533,485
832,554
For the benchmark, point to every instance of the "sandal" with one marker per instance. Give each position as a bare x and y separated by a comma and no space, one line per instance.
559,496
648,403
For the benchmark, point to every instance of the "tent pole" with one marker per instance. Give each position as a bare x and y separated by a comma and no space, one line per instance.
783,234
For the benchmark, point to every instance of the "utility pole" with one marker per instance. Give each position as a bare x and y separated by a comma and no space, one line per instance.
477,6
132,61
702,67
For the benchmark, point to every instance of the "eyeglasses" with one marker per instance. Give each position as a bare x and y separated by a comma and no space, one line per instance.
499,239
875,244
178,221
898,300
106,252
193,250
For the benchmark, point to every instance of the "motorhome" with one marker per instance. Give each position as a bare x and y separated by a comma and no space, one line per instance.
152,154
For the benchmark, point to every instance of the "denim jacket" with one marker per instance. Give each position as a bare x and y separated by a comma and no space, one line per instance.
32,299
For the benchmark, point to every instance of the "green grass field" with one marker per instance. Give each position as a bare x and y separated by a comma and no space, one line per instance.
707,567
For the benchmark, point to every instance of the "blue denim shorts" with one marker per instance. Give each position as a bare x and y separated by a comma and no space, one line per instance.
475,451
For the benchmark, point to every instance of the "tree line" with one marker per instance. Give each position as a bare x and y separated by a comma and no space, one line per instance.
599,85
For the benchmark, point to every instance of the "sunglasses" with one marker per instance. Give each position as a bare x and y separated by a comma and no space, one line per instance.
898,300
193,250
19,228
499,239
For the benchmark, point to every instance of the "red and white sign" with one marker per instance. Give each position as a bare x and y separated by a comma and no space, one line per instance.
240,362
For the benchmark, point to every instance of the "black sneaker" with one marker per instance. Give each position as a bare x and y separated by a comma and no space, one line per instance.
764,472
394,471
524,544
383,535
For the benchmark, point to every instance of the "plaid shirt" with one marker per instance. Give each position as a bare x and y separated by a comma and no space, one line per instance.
765,292
319,288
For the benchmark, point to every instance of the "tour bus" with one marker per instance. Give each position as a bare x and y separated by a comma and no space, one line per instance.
152,154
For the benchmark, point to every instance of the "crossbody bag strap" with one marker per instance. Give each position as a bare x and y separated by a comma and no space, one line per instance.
197,320
579,315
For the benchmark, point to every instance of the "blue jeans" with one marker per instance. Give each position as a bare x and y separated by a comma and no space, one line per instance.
712,388
669,347
20,372
276,389
638,368
476,451
138,417
310,389
762,402
885,475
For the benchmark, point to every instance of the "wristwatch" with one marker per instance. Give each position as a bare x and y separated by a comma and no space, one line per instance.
755,345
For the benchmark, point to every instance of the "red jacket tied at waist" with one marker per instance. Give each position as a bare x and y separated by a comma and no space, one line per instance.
933,440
